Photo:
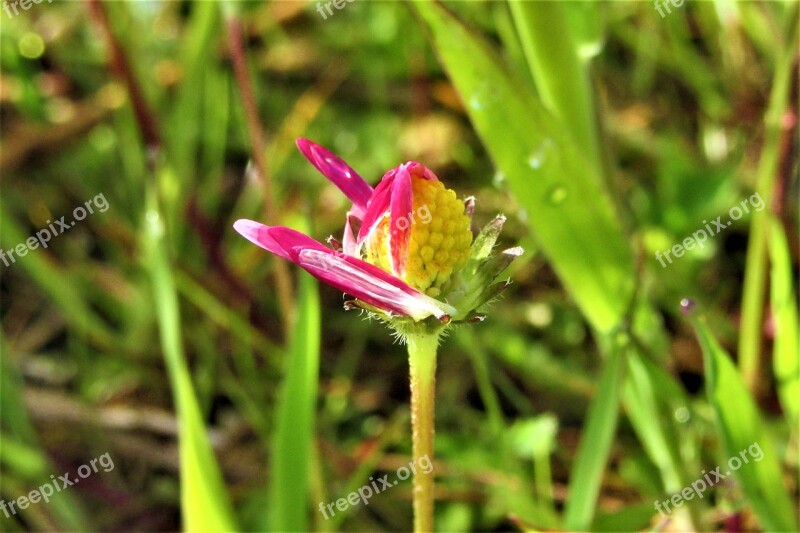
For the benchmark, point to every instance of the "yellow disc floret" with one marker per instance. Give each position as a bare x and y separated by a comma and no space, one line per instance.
439,241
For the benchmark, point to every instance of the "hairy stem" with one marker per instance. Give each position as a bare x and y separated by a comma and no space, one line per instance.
422,364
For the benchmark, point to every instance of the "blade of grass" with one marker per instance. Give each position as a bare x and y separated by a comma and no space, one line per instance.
755,274
289,488
571,216
655,428
557,69
480,368
786,359
739,425
202,28
204,501
595,446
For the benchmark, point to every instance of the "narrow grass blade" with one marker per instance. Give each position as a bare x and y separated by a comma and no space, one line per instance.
643,395
294,416
595,445
571,215
558,70
740,427
204,501
786,359
755,274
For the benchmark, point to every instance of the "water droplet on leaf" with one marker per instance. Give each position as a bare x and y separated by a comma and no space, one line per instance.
539,154
475,103
557,195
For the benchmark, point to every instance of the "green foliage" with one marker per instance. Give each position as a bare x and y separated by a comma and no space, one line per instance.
786,348
602,131
739,424
294,417
204,501
596,441
540,159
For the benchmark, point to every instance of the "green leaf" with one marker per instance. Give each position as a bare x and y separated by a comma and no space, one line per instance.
645,389
558,70
595,445
786,360
739,425
204,501
294,415
755,273
571,216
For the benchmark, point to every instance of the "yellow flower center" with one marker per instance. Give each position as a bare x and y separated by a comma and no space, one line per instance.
439,238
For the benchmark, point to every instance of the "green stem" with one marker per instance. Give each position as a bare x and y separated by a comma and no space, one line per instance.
755,274
422,365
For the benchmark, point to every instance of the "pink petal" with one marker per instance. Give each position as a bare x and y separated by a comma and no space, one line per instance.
383,199
399,224
332,167
259,235
348,274
378,205
349,245
421,171
370,284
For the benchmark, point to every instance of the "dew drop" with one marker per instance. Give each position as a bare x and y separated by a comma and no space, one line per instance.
475,103
557,195
539,154
682,415
687,306
484,97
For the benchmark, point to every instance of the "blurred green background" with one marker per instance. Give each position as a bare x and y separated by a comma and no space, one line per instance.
234,393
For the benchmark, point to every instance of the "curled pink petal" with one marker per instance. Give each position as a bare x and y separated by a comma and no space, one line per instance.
378,205
383,197
420,170
370,284
259,235
346,273
335,169
399,220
